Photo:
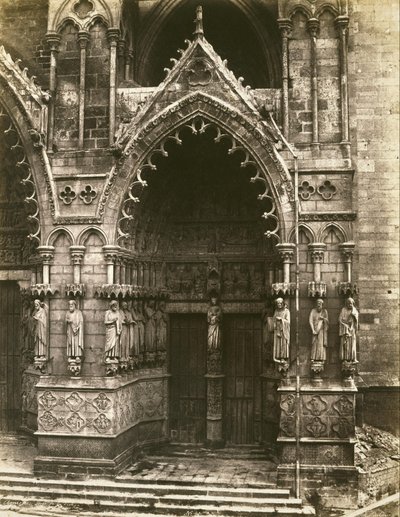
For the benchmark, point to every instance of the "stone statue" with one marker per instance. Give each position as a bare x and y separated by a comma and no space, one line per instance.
113,325
74,321
319,327
27,323
137,343
281,325
161,320
150,327
214,316
125,338
40,329
348,327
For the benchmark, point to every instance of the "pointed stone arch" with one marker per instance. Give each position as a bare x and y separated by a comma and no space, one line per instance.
30,156
199,112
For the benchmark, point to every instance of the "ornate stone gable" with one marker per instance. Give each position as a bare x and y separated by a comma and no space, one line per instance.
199,70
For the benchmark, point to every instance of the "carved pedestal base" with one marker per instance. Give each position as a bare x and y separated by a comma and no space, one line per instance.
348,371
317,367
123,365
112,366
40,363
74,365
326,431
161,357
283,369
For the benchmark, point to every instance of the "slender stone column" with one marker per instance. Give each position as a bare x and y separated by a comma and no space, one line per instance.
317,250
214,376
47,254
121,59
77,253
83,39
347,249
128,63
53,41
286,251
112,35
110,254
313,27
342,26
285,26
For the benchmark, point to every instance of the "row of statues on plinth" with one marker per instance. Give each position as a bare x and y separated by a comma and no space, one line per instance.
348,321
136,335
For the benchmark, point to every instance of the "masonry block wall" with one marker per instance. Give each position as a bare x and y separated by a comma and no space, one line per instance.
23,25
373,81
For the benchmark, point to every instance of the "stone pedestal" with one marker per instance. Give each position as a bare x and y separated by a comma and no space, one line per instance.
95,425
327,436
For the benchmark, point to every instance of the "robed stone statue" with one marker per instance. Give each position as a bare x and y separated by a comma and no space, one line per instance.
113,323
348,328
319,327
74,321
281,326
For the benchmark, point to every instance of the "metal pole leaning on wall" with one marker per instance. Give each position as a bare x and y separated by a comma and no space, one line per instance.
297,304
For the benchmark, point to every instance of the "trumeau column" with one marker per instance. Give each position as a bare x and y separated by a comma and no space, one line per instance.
112,35
53,41
285,26
342,25
83,39
47,254
313,27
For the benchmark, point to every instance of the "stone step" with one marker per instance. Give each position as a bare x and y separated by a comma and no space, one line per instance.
160,508
163,488
144,497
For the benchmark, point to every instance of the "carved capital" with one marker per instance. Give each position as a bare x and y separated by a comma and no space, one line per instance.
342,23
285,289
121,48
53,40
317,250
286,251
77,253
347,249
113,36
83,38
111,253
47,253
285,26
313,27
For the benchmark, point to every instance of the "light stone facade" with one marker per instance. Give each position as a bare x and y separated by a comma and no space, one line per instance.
93,136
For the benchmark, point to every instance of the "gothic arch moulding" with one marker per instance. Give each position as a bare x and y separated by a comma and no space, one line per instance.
23,109
199,112
54,234
339,231
82,13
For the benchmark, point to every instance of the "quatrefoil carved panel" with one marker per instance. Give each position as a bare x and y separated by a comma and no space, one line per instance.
67,195
327,190
306,190
88,194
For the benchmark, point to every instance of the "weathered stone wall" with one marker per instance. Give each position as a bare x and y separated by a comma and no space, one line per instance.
23,24
373,83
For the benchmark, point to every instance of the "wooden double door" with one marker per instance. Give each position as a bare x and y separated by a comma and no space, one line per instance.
10,372
241,344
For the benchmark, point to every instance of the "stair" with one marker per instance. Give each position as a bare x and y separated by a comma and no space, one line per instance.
139,497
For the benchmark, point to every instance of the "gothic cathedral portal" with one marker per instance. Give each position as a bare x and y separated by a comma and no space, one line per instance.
199,229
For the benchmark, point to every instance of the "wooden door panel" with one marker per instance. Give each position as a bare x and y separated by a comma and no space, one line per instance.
10,374
188,337
242,352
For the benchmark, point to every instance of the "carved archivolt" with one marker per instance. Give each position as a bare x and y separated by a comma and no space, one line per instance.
197,125
23,165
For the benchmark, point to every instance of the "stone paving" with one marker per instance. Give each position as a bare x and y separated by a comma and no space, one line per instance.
231,466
